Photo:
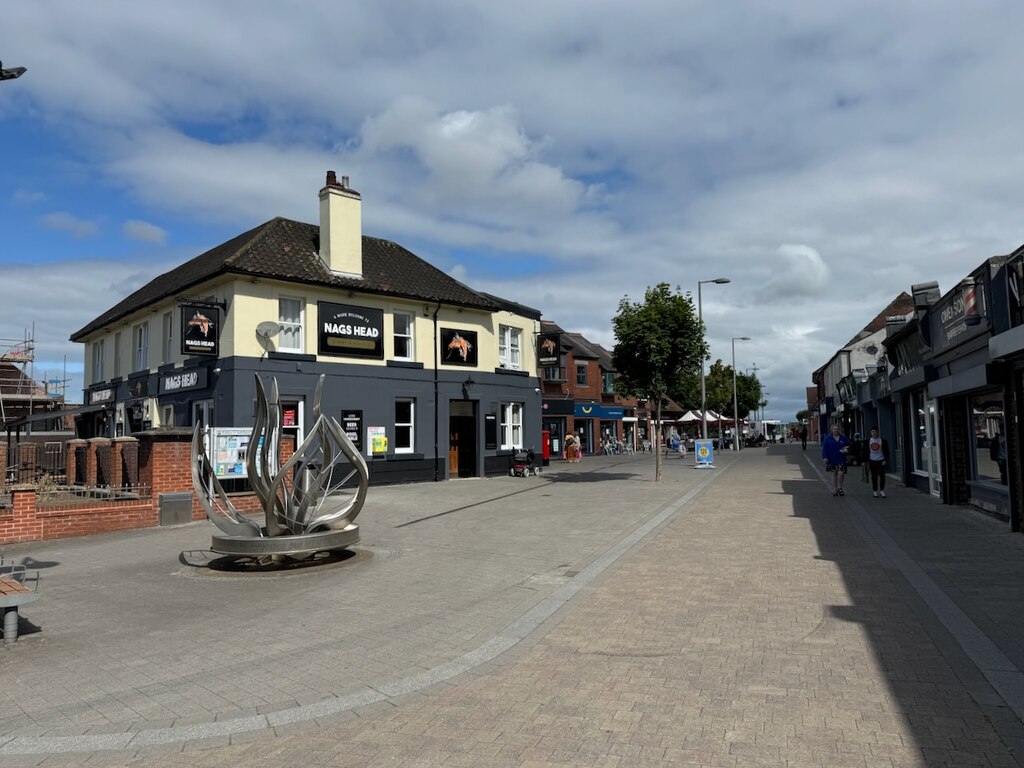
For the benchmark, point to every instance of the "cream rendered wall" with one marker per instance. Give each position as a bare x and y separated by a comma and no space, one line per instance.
255,302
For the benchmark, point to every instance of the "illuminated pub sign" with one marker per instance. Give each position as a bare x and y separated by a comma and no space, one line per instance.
458,347
348,331
199,329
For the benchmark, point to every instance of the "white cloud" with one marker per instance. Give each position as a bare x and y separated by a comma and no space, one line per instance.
564,155
27,196
74,226
144,231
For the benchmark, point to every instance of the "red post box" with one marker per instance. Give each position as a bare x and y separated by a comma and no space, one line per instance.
545,447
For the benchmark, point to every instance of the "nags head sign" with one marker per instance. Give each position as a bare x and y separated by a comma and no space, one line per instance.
347,331
199,326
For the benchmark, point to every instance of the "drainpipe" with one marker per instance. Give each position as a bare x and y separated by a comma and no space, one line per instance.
437,403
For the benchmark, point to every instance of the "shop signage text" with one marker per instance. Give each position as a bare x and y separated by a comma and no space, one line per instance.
348,331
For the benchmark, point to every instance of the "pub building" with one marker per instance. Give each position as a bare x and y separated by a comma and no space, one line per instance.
429,378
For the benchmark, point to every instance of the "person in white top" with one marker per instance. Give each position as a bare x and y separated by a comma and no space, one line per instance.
878,458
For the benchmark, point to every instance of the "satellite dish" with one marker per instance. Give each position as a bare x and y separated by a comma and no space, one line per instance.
265,330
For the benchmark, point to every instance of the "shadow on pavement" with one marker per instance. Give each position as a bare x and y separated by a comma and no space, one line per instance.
928,695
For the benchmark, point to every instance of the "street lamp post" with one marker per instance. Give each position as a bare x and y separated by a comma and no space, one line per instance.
703,386
735,399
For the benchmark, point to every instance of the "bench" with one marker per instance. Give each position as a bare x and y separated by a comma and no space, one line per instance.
14,593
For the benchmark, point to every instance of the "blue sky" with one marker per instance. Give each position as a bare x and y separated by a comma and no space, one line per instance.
823,156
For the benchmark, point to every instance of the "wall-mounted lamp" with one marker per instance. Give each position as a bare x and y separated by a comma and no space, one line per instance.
466,385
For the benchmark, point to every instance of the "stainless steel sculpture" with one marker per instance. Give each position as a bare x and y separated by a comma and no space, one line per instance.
309,504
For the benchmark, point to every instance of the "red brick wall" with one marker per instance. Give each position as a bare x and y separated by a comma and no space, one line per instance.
164,466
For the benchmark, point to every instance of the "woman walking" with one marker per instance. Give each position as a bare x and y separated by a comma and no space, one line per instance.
878,457
834,449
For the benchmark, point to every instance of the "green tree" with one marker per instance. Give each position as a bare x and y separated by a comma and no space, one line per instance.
802,416
657,343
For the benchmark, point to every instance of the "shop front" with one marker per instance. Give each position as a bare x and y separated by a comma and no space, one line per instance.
969,391
597,423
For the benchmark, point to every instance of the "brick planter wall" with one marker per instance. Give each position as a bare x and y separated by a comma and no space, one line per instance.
164,466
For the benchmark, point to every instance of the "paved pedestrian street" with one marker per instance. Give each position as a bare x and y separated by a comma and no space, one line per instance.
736,616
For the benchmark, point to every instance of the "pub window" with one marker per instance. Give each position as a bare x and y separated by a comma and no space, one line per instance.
97,360
405,412
509,347
168,336
289,312
167,416
511,425
403,336
141,345
118,363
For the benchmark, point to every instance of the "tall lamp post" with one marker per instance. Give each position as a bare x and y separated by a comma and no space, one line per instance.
735,399
703,386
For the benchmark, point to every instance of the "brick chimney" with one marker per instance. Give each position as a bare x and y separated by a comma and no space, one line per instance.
341,227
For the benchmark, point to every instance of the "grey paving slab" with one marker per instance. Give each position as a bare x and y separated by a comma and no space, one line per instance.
735,617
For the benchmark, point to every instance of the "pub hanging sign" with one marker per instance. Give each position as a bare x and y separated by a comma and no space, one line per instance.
548,348
199,329
458,347
348,331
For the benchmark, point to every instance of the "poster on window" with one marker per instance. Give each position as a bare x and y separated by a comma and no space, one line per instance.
348,331
548,347
458,347
199,327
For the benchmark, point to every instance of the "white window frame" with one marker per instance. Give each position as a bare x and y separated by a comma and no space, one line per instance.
140,346
510,347
118,362
409,337
97,360
511,425
410,425
288,325
167,416
168,337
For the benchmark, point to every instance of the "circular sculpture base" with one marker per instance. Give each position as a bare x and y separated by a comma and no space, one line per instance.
302,544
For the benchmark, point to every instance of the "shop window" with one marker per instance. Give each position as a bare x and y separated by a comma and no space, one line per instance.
403,336
607,382
989,428
405,412
509,347
554,373
581,374
511,425
289,312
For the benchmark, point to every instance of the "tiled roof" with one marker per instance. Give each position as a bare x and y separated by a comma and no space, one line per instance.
282,249
901,305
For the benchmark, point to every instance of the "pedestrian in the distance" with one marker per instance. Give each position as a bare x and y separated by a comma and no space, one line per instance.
878,458
834,449
803,438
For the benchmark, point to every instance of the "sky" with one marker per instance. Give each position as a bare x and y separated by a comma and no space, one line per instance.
822,156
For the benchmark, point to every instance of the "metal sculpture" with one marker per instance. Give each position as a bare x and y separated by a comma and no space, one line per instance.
309,504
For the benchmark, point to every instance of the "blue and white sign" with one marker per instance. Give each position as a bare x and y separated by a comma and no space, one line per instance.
704,453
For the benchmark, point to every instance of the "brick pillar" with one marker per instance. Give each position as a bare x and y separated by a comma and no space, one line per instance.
72,458
21,524
93,474
120,446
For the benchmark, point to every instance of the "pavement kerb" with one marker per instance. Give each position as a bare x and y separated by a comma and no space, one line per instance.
518,631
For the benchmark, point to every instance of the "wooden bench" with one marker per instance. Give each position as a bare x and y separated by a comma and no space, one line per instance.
14,593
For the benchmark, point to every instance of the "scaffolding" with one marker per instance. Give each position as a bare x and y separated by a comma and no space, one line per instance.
20,394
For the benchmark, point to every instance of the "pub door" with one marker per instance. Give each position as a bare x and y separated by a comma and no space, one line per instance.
462,437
